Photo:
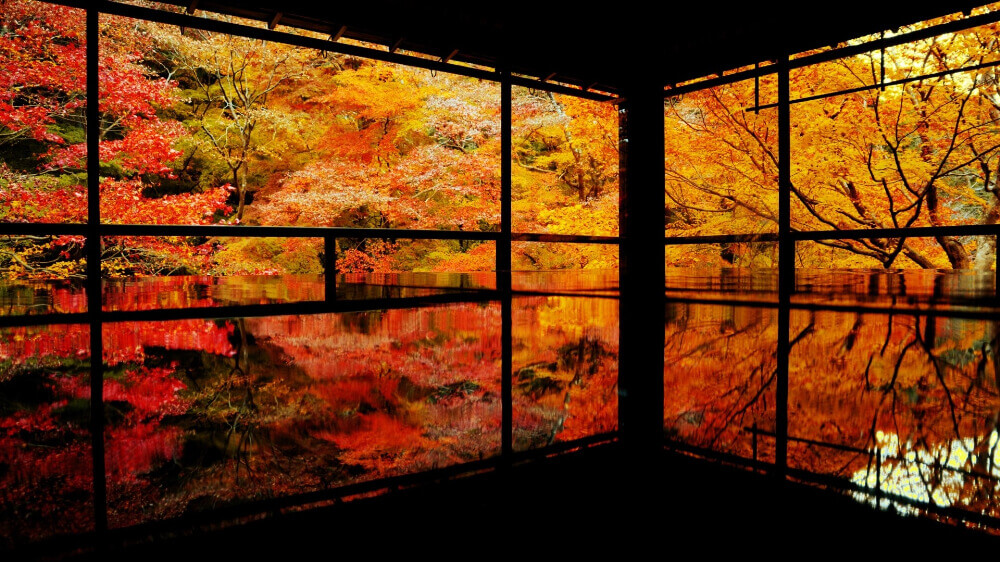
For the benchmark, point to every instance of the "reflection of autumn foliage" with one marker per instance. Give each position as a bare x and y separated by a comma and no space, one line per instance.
432,370
46,472
565,369
273,406
196,291
127,342
203,413
42,296
720,368
930,384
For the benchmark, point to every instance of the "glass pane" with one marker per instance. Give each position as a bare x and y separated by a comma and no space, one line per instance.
146,273
923,154
43,148
565,164
951,51
222,412
564,267
565,369
42,275
721,162
259,132
719,379
901,405
833,76
46,467
903,273
370,268
738,270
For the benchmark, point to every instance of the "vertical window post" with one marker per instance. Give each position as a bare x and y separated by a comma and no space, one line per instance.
93,249
786,266
330,268
503,268
641,173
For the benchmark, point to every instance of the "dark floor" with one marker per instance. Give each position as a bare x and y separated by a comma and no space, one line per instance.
580,504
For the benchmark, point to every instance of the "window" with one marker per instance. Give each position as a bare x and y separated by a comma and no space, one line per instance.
294,258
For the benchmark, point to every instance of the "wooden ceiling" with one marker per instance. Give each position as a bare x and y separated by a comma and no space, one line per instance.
603,46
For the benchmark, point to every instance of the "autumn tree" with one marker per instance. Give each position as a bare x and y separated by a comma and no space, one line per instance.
231,83
43,166
918,154
566,151
564,178
41,110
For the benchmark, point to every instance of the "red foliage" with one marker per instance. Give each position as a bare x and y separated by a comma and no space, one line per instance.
42,66
122,202
30,204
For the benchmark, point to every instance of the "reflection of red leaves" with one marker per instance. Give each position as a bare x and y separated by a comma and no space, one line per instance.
46,456
133,450
43,345
126,342
151,393
377,441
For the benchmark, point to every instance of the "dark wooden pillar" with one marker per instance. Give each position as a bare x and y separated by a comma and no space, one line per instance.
642,300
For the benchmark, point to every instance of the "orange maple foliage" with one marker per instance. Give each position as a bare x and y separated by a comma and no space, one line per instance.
916,154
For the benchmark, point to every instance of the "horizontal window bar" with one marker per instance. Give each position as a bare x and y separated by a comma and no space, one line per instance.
688,450
845,484
187,521
971,314
42,229
571,238
719,81
298,308
45,319
290,232
188,21
909,37
880,85
558,89
279,309
720,239
584,294
954,230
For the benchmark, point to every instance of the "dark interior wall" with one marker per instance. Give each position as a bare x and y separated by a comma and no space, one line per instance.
604,44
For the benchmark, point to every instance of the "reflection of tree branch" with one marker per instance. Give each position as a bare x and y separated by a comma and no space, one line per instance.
936,362
739,412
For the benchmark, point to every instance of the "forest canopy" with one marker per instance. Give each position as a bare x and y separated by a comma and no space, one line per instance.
206,128
920,151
